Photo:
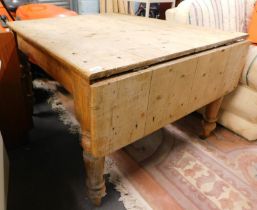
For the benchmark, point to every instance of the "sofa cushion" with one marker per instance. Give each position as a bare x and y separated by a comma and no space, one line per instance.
220,14
229,15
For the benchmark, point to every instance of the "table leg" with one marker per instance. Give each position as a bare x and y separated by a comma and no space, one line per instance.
27,82
210,117
94,178
15,94
94,166
94,174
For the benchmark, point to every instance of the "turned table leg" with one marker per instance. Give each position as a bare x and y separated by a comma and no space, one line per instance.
94,178
94,166
94,175
210,117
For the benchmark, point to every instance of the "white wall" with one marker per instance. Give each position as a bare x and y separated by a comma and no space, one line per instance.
4,171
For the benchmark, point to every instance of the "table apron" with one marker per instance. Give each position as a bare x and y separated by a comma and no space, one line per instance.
55,68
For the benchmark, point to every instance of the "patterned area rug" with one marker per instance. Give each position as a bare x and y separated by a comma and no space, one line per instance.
173,169
188,173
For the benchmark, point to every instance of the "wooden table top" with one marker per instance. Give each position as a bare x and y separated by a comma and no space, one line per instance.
97,46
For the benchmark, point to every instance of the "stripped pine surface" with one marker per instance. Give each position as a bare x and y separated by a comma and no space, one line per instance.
127,108
167,71
54,67
117,43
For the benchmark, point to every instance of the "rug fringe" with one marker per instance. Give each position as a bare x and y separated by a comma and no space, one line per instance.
56,104
47,85
65,117
131,199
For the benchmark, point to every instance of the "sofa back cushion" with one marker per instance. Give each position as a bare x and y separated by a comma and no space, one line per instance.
229,15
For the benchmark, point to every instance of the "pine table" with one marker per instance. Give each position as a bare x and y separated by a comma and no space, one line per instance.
130,76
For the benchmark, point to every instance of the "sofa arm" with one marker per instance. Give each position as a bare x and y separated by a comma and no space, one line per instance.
179,14
249,76
170,14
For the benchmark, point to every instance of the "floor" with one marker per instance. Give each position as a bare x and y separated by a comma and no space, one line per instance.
173,169
48,173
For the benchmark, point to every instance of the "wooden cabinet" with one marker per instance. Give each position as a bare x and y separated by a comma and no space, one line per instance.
15,110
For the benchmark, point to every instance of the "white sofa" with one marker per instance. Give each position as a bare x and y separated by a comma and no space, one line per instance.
4,171
239,109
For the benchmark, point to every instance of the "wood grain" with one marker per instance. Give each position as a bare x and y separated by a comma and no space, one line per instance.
54,67
210,118
130,106
130,76
95,179
111,44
